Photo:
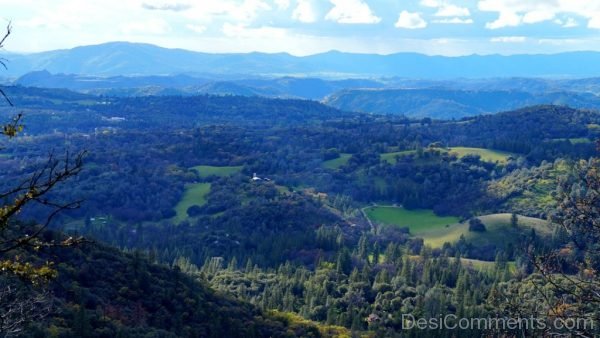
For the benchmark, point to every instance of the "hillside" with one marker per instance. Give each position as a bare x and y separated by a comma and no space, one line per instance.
268,200
68,110
290,87
451,103
122,58
102,292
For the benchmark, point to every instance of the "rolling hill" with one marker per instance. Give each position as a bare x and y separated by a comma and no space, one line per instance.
123,58
186,85
450,103
115,294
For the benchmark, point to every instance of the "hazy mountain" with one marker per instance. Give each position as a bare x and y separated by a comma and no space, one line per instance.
448,103
291,87
45,79
122,58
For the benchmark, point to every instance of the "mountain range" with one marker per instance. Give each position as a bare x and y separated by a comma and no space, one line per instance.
445,99
452,103
124,58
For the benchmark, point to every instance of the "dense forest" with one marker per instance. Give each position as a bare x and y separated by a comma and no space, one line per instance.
247,216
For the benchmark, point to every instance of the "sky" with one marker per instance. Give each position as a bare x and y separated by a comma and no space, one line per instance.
304,27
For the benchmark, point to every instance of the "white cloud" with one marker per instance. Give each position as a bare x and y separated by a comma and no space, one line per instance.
277,25
431,3
509,39
566,42
305,12
538,16
166,6
594,22
506,19
452,10
282,4
245,11
568,23
249,10
446,9
410,20
512,13
352,12
454,21
196,28
150,26
241,31
63,15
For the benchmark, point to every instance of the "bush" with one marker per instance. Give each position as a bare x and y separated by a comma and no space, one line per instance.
194,210
476,225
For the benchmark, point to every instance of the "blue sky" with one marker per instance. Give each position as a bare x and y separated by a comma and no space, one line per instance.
302,27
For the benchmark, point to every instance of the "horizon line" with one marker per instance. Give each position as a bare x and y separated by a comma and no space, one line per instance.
8,51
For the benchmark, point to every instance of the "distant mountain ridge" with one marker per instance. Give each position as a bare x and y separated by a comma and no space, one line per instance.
185,85
452,103
124,58
412,98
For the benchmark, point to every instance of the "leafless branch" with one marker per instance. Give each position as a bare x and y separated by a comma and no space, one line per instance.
20,306
35,190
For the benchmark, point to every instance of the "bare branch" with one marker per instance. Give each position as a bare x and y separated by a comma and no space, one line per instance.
20,305
8,31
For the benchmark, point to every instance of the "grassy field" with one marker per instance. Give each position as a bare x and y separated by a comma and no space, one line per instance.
485,265
498,231
336,163
418,221
579,140
487,155
391,157
195,194
593,126
436,230
295,321
207,170
475,264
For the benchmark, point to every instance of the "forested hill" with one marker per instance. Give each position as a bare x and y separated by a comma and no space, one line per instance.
104,292
64,110
185,85
290,205
521,130
451,103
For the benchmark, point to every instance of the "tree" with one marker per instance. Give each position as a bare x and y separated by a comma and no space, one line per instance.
476,225
20,305
570,286
514,220
21,301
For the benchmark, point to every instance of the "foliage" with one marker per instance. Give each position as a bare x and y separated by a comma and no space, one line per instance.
476,225
101,291
570,272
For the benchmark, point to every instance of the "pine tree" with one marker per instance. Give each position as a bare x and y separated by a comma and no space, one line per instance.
514,220
344,262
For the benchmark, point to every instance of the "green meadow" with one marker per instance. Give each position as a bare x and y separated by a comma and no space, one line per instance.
578,140
391,157
208,170
498,231
195,194
336,163
418,221
487,155
436,230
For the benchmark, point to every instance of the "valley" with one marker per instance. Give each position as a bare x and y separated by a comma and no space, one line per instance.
292,207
